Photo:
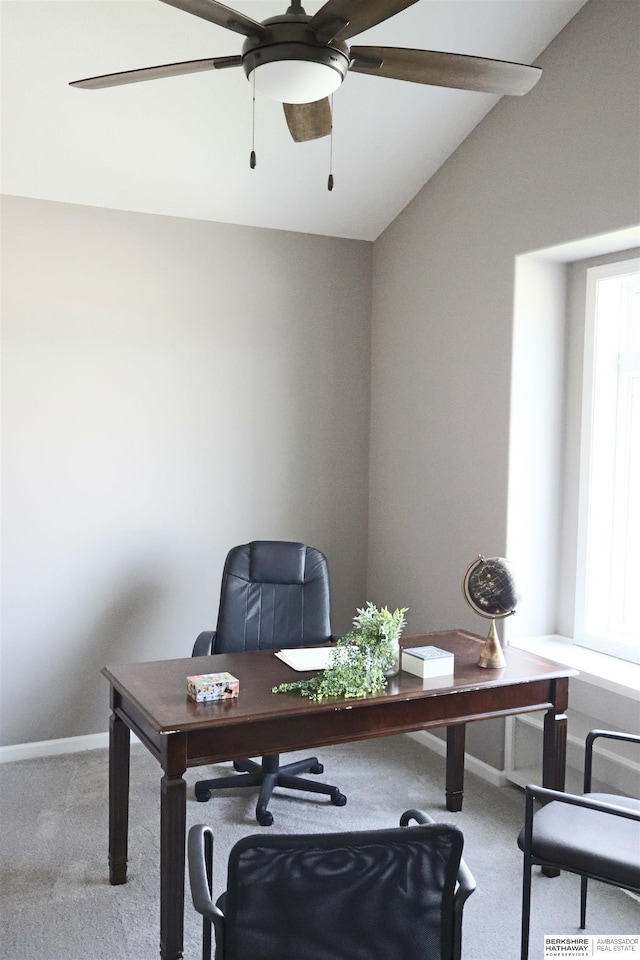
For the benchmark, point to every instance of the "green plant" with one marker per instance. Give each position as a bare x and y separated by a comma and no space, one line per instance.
359,660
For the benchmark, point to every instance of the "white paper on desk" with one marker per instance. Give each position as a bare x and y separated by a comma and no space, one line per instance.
306,658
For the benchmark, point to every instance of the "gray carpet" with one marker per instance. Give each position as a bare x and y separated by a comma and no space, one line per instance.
56,902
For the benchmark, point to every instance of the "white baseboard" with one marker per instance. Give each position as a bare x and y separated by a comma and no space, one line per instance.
52,748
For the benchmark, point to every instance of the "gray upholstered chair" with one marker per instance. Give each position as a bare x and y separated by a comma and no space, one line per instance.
596,835
274,594
394,894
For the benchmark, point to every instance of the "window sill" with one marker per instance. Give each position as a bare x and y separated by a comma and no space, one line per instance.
608,673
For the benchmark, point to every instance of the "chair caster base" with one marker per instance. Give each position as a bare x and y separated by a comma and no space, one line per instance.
202,794
265,819
338,799
318,768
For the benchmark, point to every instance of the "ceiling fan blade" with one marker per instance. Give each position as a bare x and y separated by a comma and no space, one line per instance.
308,121
222,16
446,69
341,19
154,73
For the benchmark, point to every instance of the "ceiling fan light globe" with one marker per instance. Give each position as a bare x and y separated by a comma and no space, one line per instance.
295,81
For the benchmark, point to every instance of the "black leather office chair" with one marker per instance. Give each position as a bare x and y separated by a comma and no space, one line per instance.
274,594
596,835
395,894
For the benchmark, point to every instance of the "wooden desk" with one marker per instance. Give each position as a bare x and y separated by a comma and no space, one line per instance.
151,699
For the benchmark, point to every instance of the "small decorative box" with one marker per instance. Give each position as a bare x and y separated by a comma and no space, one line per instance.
427,662
212,686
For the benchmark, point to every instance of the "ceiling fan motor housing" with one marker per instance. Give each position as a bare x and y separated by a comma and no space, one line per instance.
290,39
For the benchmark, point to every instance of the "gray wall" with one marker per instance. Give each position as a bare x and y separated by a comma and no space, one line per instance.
557,165
171,388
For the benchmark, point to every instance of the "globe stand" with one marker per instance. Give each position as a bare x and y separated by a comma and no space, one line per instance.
489,588
491,655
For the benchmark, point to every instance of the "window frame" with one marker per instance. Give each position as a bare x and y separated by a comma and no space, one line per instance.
601,641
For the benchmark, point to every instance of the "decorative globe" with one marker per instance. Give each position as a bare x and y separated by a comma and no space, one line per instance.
490,589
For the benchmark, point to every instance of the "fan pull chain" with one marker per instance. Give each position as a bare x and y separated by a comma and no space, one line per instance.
330,180
252,158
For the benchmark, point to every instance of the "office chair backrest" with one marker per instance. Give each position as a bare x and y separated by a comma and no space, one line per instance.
379,895
274,594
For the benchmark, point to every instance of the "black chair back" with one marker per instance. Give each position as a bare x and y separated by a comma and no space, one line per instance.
389,894
274,594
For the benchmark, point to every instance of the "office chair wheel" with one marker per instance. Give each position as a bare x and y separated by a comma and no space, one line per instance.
338,799
318,768
264,819
202,794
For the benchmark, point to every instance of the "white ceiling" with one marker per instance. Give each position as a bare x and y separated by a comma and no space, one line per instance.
181,146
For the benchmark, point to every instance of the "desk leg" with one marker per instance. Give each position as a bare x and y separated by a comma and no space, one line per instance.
554,750
455,767
118,796
173,818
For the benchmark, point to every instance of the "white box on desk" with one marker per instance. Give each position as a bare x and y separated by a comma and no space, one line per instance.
427,662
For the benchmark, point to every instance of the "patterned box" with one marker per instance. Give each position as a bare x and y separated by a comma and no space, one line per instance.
212,686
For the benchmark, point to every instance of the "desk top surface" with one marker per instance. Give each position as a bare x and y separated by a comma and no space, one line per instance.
158,689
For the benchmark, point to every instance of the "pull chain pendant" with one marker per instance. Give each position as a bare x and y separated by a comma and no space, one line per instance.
252,156
330,180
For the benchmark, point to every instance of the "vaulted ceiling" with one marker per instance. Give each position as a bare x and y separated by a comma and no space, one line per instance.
180,146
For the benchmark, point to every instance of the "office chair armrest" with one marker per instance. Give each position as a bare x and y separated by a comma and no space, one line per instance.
466,880
204,644
466,884
200,857
418,815
544,793
588,750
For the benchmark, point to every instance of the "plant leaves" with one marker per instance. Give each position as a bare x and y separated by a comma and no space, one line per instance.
361,657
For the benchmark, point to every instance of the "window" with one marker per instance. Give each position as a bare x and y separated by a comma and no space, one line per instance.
608,571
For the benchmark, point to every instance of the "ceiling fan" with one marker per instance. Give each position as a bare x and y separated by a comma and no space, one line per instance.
300,60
